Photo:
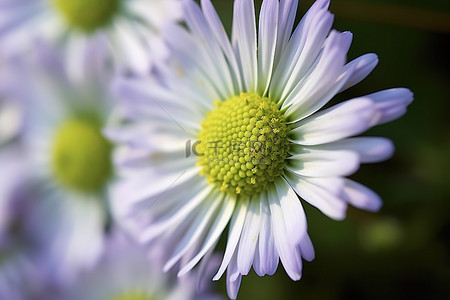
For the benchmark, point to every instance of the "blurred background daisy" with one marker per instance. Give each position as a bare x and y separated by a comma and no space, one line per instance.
65,160
127,272
130,28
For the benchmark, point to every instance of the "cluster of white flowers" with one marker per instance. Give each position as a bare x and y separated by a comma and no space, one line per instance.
143,119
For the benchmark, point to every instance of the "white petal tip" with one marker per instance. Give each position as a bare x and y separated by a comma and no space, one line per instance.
216,278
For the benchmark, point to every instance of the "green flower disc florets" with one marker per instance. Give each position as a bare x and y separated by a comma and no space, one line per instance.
87,15
244,142
81,156
133,296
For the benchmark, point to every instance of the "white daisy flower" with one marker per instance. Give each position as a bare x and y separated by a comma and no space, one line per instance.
128,272
130,27
233,134
67,158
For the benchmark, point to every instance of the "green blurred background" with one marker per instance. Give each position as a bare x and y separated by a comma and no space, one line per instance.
402,252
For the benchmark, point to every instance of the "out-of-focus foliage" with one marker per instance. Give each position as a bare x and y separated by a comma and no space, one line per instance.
404,250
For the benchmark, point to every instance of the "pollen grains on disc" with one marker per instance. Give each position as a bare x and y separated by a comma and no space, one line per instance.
243,144
87,15
81,156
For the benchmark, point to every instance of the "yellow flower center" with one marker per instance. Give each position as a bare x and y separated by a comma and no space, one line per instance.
87,15
243,144
81,156
133,296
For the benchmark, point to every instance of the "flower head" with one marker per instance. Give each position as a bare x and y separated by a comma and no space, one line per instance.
68,160
129,27
253,108
127,272
87,16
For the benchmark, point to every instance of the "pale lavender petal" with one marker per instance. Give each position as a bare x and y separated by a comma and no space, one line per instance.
56,220
233,283
266,261
267,43
249,237
132,47
323,80
234,233
293,213
307,248
173,216
220,34
392,103
244,41
340,121
369,149
322,163
192,63
300,53
287,13
288,252
220,222
364,65
360,196
213,56
313,191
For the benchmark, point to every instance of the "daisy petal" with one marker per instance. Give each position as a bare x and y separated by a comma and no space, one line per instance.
233,284
249,238
323,80
360,196
244,41
392,103
140,100
268,22
321,163
364,65
369,149
199,26
289,254
220,222
65,243
267,260
340,121
193,235
236,225
192,257
287,13
194,63
313,192
294,215
300,53
165,191
173,216
307,248
131,43
220,34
